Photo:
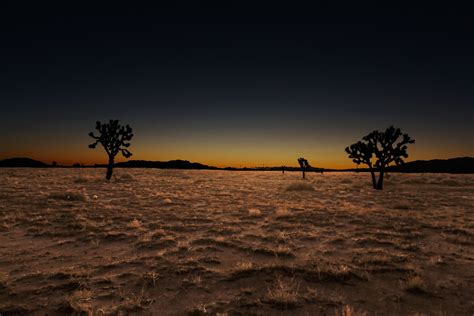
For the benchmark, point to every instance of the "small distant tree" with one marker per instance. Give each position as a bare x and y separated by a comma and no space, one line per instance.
378,150
54,164
114,138
304,164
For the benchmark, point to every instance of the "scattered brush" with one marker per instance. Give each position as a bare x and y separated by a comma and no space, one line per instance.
150,278
327,271
283,294
135,223
282,212
244,265
81,302
282,236
195,280
283,250
198,310
134,303
243,270
146,237
255,212
348,310
415,284
280,251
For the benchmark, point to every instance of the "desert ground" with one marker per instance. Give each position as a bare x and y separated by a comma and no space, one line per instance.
178,242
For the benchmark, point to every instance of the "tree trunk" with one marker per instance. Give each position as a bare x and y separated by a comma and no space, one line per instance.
110,166
374,183
380,182
303,175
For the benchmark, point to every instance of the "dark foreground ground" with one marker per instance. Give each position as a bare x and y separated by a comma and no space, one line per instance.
168,242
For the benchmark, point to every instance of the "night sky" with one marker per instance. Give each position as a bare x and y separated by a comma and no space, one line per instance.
235,85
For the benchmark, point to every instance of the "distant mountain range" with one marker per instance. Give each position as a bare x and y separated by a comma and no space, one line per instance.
453,165
22,162
172,164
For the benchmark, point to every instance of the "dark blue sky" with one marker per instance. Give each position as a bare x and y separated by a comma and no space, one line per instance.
234,84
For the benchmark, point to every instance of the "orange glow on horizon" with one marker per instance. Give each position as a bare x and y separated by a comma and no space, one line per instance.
99,157
237,153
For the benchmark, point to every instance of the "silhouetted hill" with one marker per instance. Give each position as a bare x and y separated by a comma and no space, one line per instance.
172,164
22,162
453,165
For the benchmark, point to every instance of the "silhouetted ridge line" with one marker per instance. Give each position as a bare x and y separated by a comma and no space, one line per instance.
22,163
172,164
453,165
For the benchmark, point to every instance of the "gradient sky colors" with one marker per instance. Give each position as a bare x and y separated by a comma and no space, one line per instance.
237,86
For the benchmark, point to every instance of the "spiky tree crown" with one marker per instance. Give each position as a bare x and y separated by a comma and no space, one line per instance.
113,137
304,164
382,145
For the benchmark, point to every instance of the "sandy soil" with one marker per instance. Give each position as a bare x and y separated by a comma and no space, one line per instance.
170,242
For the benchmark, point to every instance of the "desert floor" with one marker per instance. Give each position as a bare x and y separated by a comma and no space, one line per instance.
174,242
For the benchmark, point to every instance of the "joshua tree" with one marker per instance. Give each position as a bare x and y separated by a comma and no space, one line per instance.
378,150
304,164
114,138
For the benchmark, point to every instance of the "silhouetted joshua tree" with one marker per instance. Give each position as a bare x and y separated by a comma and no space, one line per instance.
304,164
114,138
378,150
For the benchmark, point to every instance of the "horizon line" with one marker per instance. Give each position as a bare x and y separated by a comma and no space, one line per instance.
233,166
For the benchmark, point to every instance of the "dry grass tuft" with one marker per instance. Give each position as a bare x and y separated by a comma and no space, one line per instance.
283,250
81,302
195,280
328,271
198,310
244,265
255,212
135,223
282,212
415,284
348,310
283,294
282,236
150,278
